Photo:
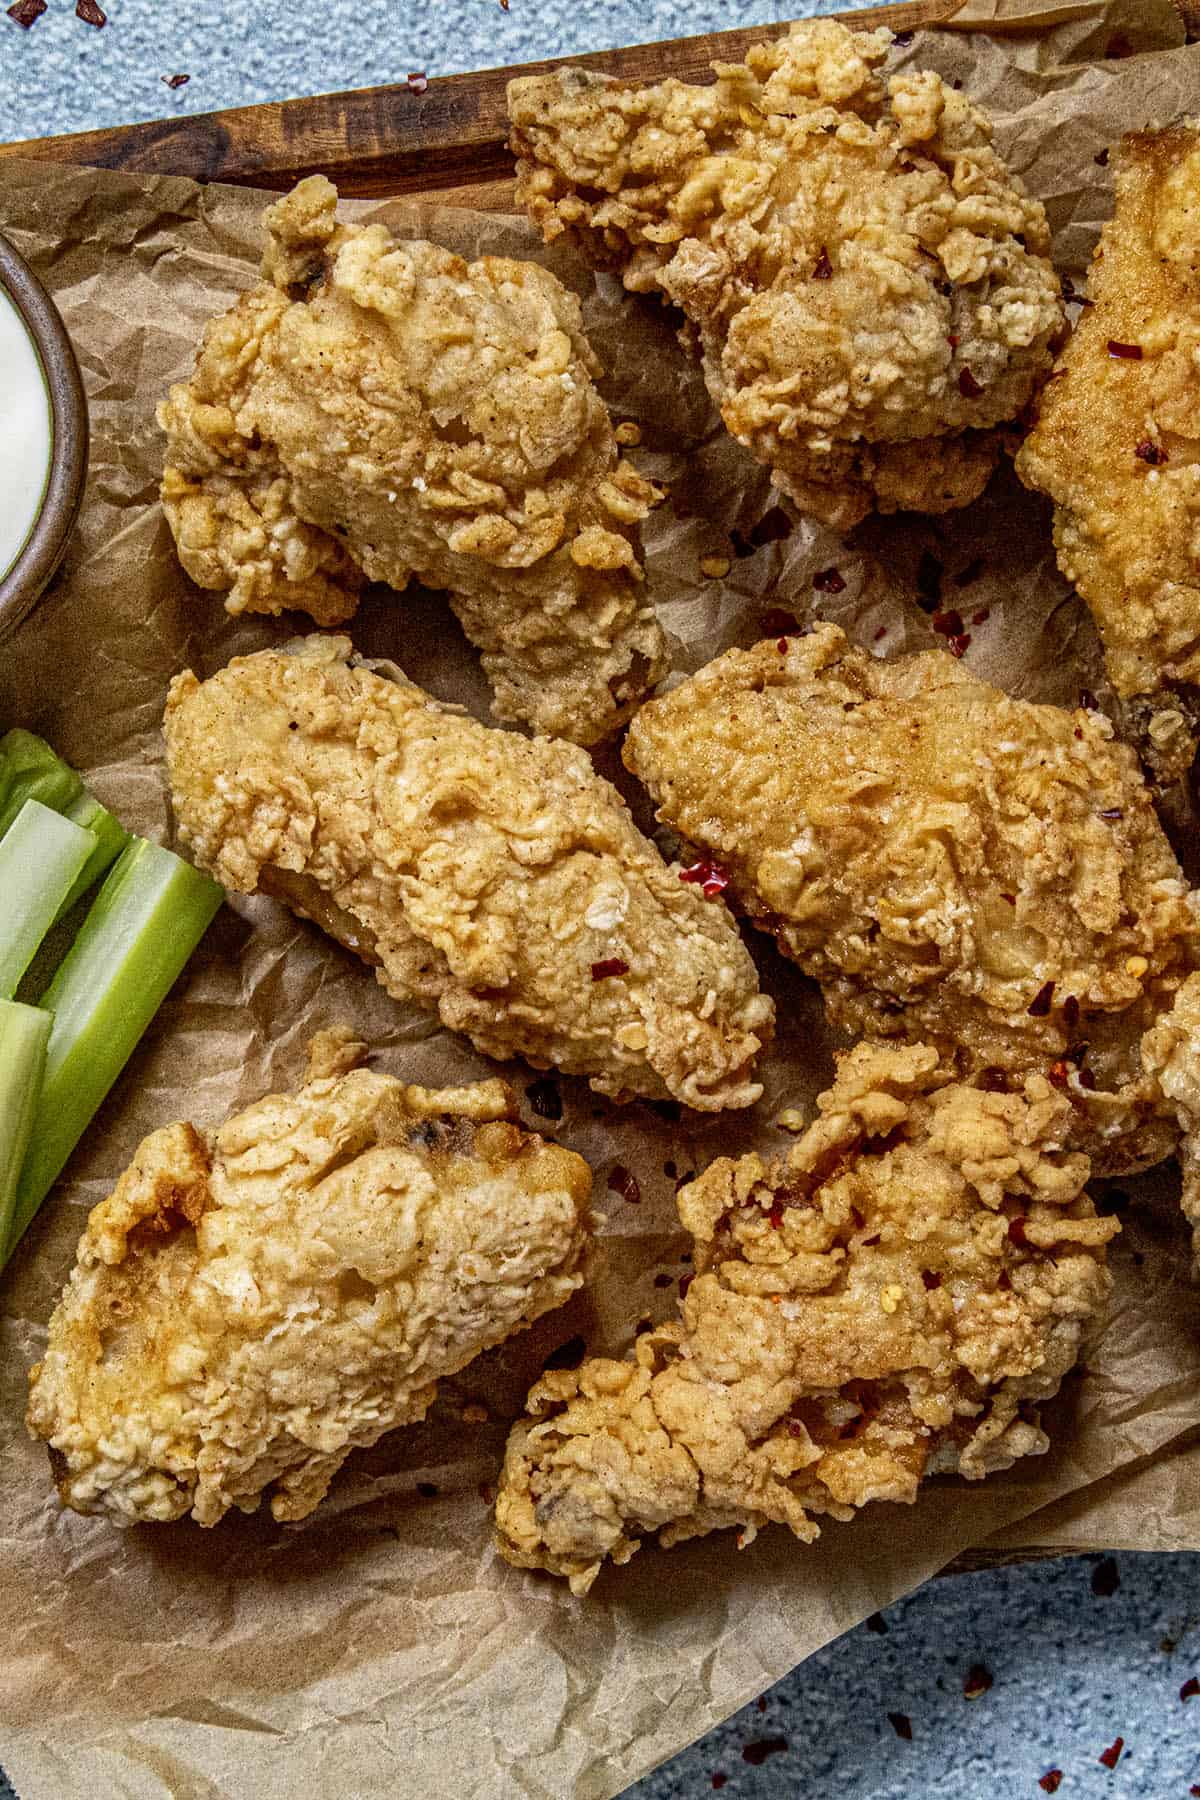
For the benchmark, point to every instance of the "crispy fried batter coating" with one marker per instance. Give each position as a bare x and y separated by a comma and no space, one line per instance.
497,880
890,1302
248,1307
867,284
1116,444
377,410
950,864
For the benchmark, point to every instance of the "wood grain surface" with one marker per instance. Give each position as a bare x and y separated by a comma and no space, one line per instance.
448,142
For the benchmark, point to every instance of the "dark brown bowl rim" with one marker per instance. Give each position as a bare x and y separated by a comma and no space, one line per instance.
25,582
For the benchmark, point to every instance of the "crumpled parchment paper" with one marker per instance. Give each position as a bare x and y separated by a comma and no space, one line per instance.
378,1646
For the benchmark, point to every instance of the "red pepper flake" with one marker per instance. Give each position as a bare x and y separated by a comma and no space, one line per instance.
901,1724
1119,47
504,5
931,1278
719,1780
1106,1579
994,1081
174,81
776,1216
1194,1790
881,633
1016,1232
1112,1756
1150,452
968,387
417,80
91,14
982,616
756,1754
1111,812
1127,352
622,1181
829,581
953,341
978,1681
1058,1074
761,1703
959,644
26,12
708,875
1190,1689
949,624
777,623
1070,1012
1011,898
1051,1781
610,965
545,1099
824,268
685,1282
781,644
1039,1006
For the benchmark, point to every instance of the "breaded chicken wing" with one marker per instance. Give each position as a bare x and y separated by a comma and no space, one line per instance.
249,1306
497,880
890,1302
865,281
377,410
1117,445
951,864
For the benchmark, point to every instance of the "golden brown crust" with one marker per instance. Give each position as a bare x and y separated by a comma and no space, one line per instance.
891,1301
1115,445
377,410
247,1309
487,876
868,285
951,864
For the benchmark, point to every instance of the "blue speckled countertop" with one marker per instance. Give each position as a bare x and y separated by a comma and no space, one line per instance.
1073,1661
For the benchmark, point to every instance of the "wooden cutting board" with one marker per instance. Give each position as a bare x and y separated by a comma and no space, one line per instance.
447,142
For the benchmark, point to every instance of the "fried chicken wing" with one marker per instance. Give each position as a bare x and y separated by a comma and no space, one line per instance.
250,1305
951,864
890,1302
497,880
377,410
1116,447
866,283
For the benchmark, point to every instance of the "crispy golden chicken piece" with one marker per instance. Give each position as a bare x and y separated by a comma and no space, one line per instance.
1116,444
951,864
377,410
890,1302
248,1307
865,281
497,880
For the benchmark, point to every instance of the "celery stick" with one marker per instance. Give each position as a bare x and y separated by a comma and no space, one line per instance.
111,838
145,922
41,855
29,770
24,1032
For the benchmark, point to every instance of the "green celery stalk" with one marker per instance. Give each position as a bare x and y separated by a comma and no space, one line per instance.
41,856
111,838
141,929
24,1034
29,770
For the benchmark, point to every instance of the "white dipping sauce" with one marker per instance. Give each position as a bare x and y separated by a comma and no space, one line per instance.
26,434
